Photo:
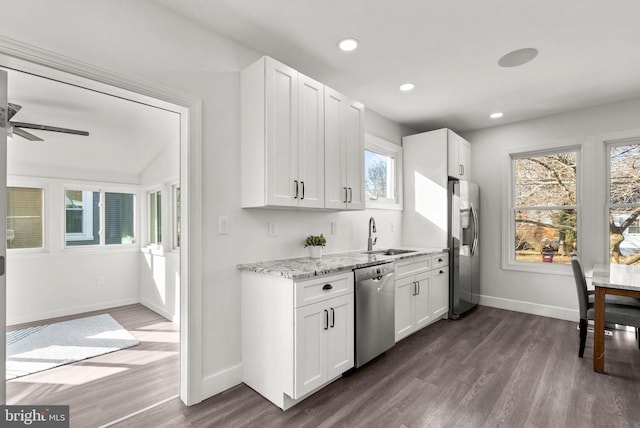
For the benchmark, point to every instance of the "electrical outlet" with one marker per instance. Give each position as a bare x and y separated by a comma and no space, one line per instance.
334,227
393,227
223,225
273,229
100,280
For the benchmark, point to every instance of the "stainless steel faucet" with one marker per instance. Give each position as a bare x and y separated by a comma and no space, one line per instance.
372,229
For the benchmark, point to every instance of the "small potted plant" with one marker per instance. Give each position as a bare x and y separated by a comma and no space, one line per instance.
315,242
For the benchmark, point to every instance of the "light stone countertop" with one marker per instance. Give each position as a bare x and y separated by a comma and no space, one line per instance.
306,267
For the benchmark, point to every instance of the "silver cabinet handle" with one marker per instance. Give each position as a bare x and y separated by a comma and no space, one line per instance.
302,197
326,319
296,195
350,195
346,198
333,318
415,288
418,282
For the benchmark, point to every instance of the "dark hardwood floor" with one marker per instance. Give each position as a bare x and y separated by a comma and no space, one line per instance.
490,368
108,387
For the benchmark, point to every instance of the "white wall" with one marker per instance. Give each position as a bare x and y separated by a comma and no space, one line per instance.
144,40
545,294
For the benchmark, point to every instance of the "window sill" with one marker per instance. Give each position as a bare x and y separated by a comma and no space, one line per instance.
370,205
155,250
543,268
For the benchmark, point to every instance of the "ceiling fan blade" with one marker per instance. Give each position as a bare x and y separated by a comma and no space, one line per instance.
25,134
48,128
13,109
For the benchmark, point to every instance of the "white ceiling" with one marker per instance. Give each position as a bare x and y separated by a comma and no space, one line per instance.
124,136
589,52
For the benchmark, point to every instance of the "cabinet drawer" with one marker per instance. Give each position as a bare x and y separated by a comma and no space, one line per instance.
439,260
322,288
412,266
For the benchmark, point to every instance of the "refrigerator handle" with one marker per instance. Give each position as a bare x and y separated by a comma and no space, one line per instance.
474,245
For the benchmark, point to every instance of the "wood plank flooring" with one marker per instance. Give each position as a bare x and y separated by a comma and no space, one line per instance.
490,368
105,388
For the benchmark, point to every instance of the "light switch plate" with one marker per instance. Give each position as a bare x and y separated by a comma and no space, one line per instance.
334,227
223,225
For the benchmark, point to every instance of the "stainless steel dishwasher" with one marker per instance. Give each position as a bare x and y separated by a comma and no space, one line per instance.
374,311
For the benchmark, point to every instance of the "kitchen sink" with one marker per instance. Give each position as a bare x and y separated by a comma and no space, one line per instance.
390,251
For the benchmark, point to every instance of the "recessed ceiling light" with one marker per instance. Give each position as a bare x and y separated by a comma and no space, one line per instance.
406,87
348,45
496,115
518,57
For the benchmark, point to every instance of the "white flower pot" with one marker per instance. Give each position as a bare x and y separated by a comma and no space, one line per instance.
315,251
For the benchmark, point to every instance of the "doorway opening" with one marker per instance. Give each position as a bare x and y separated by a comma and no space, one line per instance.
170,303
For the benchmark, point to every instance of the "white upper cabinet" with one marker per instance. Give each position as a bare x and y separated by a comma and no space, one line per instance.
310,142
287,136
282,137
344,152
459,156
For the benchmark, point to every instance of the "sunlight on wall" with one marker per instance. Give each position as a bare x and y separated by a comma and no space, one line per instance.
426,193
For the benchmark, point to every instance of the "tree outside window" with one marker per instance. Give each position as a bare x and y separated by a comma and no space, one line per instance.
624,203
545,207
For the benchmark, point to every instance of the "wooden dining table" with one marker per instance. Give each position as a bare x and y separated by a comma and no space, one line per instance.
621,280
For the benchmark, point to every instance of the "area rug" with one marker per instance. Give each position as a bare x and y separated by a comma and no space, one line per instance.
43,347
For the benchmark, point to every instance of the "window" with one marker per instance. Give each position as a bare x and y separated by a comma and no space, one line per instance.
176,216
84,211
155,217
25,217
119,213
82,217
624,202
382,173
544,207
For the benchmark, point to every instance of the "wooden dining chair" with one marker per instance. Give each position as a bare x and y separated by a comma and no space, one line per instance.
618,309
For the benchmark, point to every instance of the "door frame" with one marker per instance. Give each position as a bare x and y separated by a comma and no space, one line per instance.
38,61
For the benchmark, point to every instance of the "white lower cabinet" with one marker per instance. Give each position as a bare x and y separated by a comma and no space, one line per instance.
297,336
422,293
324,342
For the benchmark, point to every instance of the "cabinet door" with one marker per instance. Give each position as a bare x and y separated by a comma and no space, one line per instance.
405,289
440,291
335,189
354,141
310,359
422,310
464,158
452,155
310,142
281,129
340,336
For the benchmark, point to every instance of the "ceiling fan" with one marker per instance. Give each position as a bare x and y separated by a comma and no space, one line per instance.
17,128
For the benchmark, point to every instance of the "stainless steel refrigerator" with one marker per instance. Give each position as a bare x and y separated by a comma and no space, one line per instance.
463,242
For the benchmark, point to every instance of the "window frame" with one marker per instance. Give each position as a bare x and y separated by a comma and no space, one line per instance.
508,261
148,193
87,217
34,184
386,148
176,228
608,143
102,190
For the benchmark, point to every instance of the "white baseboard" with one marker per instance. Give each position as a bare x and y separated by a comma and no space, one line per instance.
530,308
161,311
19,319
221,381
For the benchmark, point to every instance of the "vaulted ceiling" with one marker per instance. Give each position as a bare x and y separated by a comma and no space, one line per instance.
124,136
